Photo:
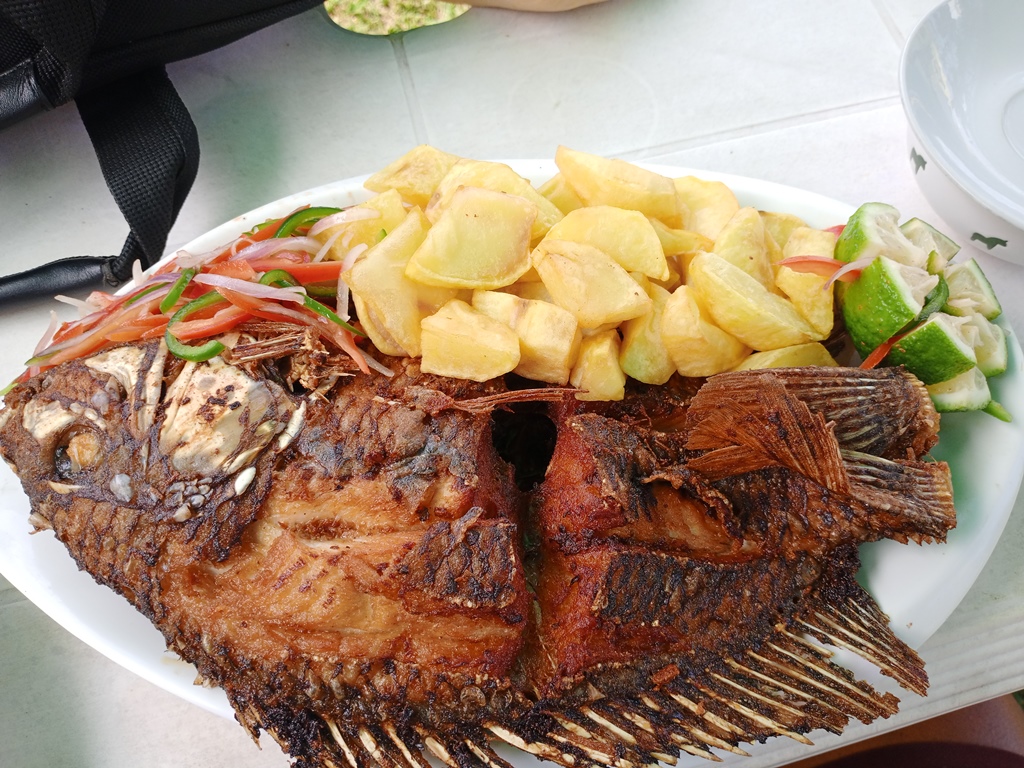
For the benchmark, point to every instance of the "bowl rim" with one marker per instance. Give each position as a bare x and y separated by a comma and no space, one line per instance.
972,187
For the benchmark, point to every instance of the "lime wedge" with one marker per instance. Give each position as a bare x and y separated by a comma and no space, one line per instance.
873,230
936,263
939,247
989,345
883,300
937,350
970,291
967,392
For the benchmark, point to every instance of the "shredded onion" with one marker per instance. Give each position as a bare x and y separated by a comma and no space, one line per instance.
300,317
186,260
354,253
343,217
853,266
48,336
137,274
342,300
241,242
346,265
295,293
84,307
275,245
378,367
327,246
93,317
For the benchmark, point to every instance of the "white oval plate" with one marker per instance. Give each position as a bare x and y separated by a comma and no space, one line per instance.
917,586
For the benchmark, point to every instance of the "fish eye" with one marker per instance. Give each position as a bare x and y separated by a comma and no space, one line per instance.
75,452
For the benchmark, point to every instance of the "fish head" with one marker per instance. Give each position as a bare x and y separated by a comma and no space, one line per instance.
178,442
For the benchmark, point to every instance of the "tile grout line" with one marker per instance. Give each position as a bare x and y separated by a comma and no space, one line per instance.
412,101
890,24
759,129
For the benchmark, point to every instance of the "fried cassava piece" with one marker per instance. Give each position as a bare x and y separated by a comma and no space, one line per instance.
351,557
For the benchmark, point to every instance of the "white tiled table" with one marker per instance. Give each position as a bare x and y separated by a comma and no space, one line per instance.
797,91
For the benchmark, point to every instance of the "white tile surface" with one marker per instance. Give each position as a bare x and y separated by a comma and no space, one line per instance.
855,156
799,92
609,80
905,14
34,154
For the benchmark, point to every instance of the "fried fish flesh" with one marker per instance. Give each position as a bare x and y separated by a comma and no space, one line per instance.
351,559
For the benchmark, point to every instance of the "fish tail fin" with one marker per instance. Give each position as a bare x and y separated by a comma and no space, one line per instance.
787,685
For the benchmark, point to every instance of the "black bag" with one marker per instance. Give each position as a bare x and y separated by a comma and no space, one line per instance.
109,56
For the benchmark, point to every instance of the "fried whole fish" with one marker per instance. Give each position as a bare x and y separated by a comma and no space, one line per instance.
351,559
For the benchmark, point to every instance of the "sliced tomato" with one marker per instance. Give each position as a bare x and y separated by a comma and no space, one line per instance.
110,305
153,333
101,299
137,329
240,270
222,321
265,232
66,331
94,338
87,345
837,230
879,353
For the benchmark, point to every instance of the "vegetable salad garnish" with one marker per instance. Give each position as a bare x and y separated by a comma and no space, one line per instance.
279,271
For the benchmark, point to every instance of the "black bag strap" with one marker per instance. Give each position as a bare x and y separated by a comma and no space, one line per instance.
145,140
148,151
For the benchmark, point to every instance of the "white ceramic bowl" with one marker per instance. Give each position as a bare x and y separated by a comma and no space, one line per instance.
962,83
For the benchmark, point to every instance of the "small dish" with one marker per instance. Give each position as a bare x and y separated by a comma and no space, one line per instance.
962,84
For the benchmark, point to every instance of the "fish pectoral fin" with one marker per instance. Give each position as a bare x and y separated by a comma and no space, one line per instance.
771,427
730,460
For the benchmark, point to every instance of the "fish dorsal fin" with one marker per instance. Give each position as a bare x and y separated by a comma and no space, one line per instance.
755,422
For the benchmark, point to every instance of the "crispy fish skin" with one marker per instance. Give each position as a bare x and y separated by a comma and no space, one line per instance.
686,544
357,554
355,566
